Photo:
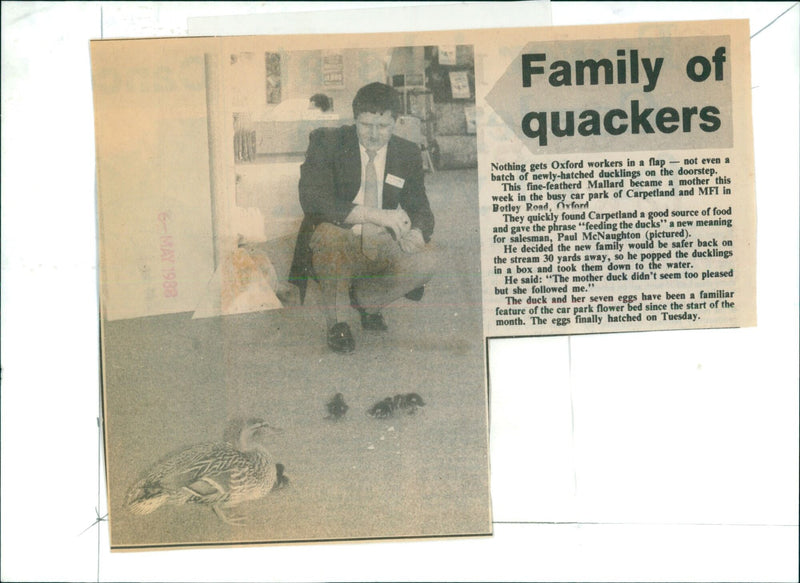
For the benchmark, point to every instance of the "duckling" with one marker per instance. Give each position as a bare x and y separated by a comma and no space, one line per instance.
336,407
382,409
408,402
221,475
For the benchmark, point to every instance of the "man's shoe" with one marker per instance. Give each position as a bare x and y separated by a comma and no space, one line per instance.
368,321
373,322
340,339
415,294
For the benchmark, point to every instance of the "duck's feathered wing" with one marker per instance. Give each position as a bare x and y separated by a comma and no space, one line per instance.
210,473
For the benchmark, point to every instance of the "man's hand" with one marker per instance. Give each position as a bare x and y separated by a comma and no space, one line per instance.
412,241
395,219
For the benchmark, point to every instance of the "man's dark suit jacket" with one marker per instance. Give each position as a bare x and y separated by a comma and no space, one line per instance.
330,179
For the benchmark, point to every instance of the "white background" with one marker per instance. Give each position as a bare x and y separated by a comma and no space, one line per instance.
646,456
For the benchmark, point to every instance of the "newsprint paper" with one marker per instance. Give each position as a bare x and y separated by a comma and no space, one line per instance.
616,180
288,358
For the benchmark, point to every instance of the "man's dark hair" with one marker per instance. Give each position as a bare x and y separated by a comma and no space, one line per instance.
321,101
376,98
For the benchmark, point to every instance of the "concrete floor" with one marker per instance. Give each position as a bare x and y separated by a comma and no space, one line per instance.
172,381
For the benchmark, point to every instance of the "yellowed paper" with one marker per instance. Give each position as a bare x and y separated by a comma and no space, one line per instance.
212,356
591,179
617,188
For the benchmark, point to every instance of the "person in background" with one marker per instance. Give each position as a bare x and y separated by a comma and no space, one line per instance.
321,102
367,228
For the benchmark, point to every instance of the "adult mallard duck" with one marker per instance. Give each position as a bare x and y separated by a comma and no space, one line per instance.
221,475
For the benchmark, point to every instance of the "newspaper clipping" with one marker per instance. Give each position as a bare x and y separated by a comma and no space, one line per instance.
616,181
306,240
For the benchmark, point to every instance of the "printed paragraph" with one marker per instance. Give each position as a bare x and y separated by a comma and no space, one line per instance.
611,241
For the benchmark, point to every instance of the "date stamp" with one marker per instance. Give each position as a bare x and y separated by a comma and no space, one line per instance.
167,245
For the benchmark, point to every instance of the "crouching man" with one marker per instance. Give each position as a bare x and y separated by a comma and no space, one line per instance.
368,224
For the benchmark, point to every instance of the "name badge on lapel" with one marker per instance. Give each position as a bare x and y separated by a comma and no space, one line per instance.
395,181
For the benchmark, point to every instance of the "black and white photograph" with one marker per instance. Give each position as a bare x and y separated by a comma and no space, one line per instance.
292,335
